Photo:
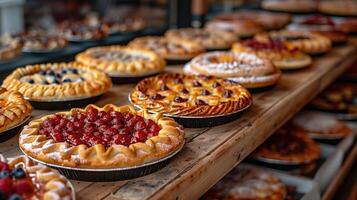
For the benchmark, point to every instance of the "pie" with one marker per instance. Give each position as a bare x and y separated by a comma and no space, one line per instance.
115,23
335,7
244,183
209,39
298,6
9,48
169,49
348,26
14,109
311,43
283,55
41,42
247,69
107,137
189,95
20,178
291,145
322,124
239,26
80,31
57,81
123,61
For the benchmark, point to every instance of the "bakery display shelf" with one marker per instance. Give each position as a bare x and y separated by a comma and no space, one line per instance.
210,153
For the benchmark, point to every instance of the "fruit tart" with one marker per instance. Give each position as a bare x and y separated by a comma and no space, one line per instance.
295,6
80,31
57,82
311,43
335,7
108,137
41,42
14,109
169,49
209,39
248,184
247,69
288,146
119,24
10,48
190,95
283,55
22,179
121,61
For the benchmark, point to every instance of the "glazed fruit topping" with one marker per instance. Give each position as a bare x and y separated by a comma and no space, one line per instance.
99,127
157,97
180,99
269,45
200,102
227,93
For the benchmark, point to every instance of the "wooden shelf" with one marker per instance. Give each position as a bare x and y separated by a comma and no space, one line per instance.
210,153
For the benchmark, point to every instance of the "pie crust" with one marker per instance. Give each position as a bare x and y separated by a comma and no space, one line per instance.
169,49
334,7
170,138
123,61
209,39
247,69
53,185
94,82
14,109
303,6
9,48
282,55
189,95
241,27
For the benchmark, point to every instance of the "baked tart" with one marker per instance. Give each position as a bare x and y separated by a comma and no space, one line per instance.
9,48
169,49
311,43
14,109
283,55
57,82
40,42
121,61
209,39
247,69
108,137
241,27
119,24
248,184
335,7
288,146
80,31
190,95
295,6
20,178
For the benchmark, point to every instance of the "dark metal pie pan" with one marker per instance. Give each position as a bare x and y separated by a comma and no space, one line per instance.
129,79
43,51
63,104
12,131
114,174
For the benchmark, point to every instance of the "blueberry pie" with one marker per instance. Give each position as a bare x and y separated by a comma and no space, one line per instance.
189,95
58,81
22,179
80,31
9,48
107,137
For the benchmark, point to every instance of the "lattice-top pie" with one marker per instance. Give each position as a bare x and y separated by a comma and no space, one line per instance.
20,178
247,69
14,109
58,81
123,61
107,137
189,95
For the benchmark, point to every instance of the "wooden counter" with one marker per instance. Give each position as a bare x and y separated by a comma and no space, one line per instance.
211,152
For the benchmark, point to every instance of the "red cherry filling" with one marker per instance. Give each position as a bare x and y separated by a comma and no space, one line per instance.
92,127
271,44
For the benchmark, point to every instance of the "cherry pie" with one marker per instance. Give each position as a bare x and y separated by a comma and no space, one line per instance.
107,137
58,81
9,48
20,178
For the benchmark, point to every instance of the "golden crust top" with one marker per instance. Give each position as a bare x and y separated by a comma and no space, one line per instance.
122,61
94,84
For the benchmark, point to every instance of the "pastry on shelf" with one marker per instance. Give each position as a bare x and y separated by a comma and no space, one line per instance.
22,178
247,69
119,24
321,125
82,32
294,6
288,146
336,7
283,55
169,49
348,26
101,137
209,39
311,43
248,184
121,61
10,48
57,82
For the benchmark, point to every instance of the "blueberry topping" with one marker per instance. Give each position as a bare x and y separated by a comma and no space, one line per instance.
44,82
42,72
81,78
18,173
64,71
51,73
15,197
4,174
58,75
31,81
67,80
74,71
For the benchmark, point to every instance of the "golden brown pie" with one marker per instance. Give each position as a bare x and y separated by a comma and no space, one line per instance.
189,95
81,31
299,6
23,179
58,81
14,109
107,137
247,69
209,39
41,41
116,23
9,48
335,7
123,61
283,55
169,49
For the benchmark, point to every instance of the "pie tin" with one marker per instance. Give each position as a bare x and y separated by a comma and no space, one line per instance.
130,79
43,51
132,32
64,104
109,175
12,131
172,61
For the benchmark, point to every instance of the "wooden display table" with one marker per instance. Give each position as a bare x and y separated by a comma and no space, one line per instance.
210,153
